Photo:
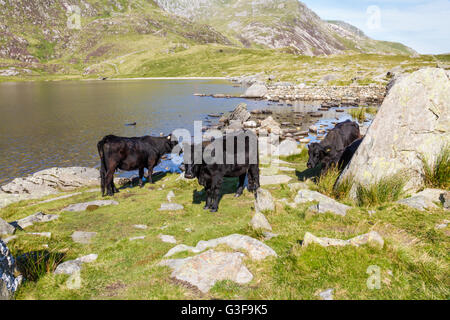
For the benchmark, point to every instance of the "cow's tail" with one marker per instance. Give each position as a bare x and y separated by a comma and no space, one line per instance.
103,167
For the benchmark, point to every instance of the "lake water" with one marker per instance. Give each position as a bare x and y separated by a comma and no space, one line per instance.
58,124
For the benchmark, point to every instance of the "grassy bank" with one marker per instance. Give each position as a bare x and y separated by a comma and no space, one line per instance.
414,261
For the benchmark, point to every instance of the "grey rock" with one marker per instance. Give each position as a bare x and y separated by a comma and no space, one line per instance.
416,113
69,267
137,238
327,294
170,196
264,201
39,217
83,237
8,282
205,269
240,114
6,228
418,202
140,226
79,207
259,221
257,90
167,239
269,235
88,259
276,179
372,237
298,186
256,249
171,207
325,204
288,148
445,199
41,234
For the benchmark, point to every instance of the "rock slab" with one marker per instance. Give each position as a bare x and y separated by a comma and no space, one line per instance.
79,207
204,270
372,237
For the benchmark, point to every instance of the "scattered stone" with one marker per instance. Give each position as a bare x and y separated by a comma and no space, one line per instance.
277,179
140,226
256,249
8,282
6,228
171,207
326,204
443,225
35,218
167,239
74,266
79,207
170,196
372,237
137,238
264,201
257,90
250,124
188,230
41,234
205,269
271,126
327,294
240,113
9,239
259,221
83,237
298,186
418,202
88,259
288,148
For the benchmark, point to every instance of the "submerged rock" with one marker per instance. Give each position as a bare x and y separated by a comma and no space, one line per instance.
205,269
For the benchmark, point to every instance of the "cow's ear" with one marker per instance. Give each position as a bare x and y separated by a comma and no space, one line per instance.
169,137
328,149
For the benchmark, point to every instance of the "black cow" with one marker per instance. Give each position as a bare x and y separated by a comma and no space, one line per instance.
330,150
131,154
211,174
349,153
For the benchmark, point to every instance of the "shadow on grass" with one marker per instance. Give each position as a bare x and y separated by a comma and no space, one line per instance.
229,187
135,181
312,174
36,264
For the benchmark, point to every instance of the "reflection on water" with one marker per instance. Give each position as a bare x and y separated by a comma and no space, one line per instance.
48,124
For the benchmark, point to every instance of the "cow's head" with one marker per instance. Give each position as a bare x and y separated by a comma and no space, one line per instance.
189,167
317,153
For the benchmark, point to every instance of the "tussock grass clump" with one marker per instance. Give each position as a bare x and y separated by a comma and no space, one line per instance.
326,184
358,114
35,265
372,110
388,189
437,174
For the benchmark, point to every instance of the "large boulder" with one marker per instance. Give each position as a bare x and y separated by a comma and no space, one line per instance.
413,121
257,90
239,114
8,282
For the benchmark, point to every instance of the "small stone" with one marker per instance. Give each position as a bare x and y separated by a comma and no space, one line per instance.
167,239
276,179
137,238
140,226
264,201
69,267
83,237
372,238
35,218
259,221
188,230
41,234
269,235
171,207
170,196
88,259
327,294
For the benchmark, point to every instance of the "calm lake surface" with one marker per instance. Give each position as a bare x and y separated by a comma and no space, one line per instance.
58,124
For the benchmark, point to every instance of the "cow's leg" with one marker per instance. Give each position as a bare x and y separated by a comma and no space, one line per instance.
141,177
151,166
240,189
208,199
115,188
253,179
215,192
110,180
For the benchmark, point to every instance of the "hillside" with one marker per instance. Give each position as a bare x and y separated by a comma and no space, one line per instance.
123,36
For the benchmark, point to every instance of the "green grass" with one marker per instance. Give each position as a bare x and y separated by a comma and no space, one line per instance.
414,262
358,114
437,174
386,190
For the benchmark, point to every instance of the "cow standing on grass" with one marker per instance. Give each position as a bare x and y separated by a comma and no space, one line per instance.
234,155
330,150
131,154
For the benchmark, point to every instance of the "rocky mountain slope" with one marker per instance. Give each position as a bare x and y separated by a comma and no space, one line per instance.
38,37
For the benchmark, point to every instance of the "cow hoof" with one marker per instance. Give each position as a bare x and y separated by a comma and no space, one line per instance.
213,210
206,208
